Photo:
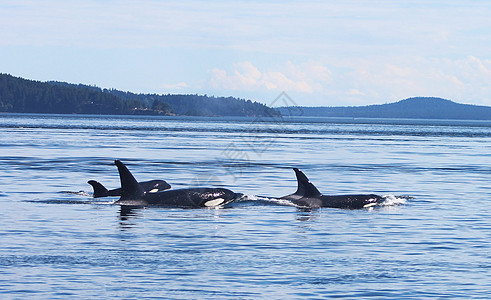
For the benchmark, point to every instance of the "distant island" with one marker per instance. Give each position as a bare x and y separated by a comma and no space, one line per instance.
18,95
411,108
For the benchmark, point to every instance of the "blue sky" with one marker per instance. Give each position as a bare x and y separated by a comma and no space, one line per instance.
319,52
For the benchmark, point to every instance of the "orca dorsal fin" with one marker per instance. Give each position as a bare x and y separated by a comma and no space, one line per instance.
305,187
99,189
130,188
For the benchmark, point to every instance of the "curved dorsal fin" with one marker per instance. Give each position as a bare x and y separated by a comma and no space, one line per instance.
99,189
305,187
130,188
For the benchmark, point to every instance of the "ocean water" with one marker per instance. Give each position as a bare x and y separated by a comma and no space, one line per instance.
57,242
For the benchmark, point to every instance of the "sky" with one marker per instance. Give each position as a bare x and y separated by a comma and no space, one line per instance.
320,53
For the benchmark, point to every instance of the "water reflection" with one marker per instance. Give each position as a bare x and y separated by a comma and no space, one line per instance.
307,214
127,214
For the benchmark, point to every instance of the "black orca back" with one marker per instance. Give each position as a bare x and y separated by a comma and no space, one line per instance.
190,198
99,189
307,195
305,187
130,188
340,201
157,185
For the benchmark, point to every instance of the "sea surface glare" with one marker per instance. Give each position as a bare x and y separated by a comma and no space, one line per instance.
57,242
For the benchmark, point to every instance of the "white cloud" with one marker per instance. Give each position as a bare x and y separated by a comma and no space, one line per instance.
390,79
245,76
175,86
323,52
286,27
355,92
364,81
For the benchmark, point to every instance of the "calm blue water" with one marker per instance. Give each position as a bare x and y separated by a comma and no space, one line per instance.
60,245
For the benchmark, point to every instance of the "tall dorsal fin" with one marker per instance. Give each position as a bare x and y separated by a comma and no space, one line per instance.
99,189
130,188
305,187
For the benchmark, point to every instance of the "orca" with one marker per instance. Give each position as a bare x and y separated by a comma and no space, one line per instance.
133,194
151,186
308,196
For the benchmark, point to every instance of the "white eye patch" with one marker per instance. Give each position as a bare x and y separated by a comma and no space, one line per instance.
214,202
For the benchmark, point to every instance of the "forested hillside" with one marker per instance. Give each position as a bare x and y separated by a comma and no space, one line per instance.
202,105
412,108
28,96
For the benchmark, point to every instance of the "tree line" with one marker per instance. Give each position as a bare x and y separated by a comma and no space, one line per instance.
28,96
20,95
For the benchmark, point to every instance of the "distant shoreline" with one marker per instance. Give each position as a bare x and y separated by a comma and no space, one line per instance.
411,108
18,95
